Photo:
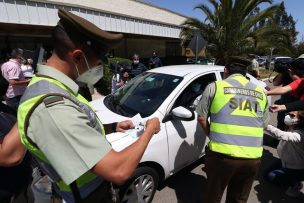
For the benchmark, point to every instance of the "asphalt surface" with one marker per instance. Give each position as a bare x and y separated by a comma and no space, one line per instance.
188,185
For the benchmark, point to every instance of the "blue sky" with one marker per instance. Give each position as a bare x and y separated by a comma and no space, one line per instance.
185,7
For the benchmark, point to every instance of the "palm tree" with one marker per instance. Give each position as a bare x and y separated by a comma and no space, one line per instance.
230,27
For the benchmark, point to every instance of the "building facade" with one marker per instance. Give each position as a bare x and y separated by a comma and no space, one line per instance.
147,28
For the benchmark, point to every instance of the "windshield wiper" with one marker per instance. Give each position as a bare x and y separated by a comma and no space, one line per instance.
114,106
111,103
122,111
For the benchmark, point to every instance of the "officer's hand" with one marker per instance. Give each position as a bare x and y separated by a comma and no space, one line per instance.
124,125
153,125
276,108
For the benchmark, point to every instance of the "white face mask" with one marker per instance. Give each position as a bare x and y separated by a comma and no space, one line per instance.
92,75
290,121
136,61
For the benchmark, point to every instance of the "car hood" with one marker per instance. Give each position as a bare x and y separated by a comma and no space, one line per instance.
105,115
118,140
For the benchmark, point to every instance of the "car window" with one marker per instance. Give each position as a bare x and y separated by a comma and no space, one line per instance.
222,74
284,60
143,94
191,95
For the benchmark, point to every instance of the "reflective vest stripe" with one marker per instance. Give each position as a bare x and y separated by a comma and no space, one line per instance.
236,151
237,139
40,88
236,120
241,82
86,183
44,87
236,126
237,129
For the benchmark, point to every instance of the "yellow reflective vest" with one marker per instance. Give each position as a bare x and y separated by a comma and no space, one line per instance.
38,91
236,118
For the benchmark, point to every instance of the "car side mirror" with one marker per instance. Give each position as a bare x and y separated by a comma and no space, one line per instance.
180,113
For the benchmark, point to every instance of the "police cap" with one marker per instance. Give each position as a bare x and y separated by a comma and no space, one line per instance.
239,61
251,55
97,39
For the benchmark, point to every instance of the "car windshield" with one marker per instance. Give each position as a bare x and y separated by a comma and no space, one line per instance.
143,94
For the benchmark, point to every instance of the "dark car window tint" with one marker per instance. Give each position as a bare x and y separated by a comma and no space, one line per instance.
192,94
143,94
222,75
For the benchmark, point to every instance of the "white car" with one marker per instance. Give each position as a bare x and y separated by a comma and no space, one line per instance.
281,59
166,93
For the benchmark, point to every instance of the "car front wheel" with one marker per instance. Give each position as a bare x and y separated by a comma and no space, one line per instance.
141,187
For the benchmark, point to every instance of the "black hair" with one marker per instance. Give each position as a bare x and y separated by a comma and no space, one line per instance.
297,67
16,53
236,68
62,43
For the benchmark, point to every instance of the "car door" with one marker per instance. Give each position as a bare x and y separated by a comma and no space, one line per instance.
186,139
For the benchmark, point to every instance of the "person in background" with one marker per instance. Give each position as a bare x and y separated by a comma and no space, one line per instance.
235,132
289,171
59,127
154,61
283,79
27,69
119,80
290,92
189,95
11,71
253,69
296,89
136,66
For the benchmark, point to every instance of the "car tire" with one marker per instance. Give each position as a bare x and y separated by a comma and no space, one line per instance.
140,187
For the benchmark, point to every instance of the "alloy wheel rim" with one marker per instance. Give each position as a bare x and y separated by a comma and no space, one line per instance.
140,190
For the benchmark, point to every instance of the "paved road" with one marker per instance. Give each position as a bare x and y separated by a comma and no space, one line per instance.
188,185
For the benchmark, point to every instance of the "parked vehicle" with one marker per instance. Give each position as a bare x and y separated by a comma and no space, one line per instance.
166,93
200,61
261,60
280,59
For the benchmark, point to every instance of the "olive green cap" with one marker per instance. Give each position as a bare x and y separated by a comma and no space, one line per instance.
251,55
239,61
98,40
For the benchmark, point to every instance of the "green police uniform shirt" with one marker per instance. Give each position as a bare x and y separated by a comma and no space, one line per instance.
62,133
203,107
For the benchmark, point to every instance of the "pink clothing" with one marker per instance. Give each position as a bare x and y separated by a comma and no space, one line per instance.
11,70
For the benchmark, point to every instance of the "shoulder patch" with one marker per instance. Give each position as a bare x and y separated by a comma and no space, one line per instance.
52,99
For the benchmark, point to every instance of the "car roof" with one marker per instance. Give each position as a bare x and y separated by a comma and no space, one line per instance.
183,70
280,57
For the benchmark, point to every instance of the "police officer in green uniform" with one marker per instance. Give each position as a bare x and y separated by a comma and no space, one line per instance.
58,126
238,110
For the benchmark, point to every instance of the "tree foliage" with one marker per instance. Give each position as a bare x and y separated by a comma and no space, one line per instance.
236,27
286,23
